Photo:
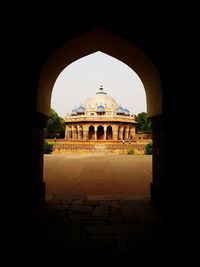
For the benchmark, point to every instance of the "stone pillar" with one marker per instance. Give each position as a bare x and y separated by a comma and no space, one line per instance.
36,185
72,132
95,133
115,132
132,132
126,133
66,132
121,133
75,133
105,128
85,132
159,185
78,134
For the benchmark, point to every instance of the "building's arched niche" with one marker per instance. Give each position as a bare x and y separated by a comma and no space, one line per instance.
100,132
106,42
91,133
109,133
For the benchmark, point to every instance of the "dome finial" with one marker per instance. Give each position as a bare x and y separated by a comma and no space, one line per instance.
101,92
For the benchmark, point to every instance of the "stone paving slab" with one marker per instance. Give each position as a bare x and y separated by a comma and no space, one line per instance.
98,229
99,243
100,197
80,208
100,232
125,229
116,219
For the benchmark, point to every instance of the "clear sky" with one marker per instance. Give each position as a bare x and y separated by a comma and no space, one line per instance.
83,77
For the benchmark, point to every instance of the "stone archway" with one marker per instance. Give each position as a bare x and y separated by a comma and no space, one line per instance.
124,133
109,133
80,133
129,54
91,133
100,132
112,45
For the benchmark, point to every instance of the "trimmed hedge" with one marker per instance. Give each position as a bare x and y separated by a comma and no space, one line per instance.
131,151
149,149
48,148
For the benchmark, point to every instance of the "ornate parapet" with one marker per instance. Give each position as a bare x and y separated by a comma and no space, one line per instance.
102,118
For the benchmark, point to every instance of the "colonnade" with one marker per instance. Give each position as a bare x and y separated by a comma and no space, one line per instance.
99,132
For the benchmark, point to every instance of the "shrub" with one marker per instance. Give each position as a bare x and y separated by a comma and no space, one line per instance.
149,149
48,148
131,151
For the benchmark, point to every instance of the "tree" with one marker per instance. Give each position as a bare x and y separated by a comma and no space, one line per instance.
55,125
149,149
144,123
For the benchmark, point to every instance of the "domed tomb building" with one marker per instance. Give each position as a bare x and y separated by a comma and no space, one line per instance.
100,118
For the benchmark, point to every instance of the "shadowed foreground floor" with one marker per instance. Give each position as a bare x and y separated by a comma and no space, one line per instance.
101,232
98,213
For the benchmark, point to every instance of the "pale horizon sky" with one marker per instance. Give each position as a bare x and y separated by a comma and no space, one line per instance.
83,77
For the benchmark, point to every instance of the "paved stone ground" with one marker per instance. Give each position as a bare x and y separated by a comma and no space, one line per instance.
98,213
102,231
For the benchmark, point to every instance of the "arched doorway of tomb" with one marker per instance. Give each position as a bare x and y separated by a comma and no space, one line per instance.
91,133
100,132
109,133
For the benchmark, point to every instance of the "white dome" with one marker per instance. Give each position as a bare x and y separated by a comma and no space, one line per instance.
101,99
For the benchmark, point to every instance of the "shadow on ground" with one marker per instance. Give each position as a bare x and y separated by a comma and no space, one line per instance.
102,231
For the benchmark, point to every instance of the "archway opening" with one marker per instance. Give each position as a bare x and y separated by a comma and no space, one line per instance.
75,135
105,134
124,131
112,45
111,215
100,132
123,51
91,133
109,133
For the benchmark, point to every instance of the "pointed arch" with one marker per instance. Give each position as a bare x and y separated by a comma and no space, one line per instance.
100,132
109,133
91,133
112,45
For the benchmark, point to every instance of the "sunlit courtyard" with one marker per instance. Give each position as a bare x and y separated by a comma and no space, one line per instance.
93,175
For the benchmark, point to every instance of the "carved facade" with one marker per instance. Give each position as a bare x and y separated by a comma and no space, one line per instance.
100,118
